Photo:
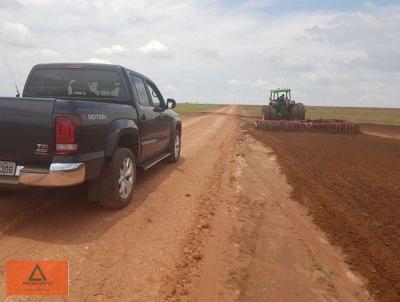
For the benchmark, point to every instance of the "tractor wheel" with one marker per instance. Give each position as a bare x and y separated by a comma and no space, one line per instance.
297,112
264,109
269,113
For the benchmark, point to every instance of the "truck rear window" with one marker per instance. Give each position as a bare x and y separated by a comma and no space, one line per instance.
69,82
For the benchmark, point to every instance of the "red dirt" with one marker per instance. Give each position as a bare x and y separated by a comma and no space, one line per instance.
351,186
387,131
205,229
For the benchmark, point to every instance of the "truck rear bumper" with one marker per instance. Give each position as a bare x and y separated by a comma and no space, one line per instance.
59,175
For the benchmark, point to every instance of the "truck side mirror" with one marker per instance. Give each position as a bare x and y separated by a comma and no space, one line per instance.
171,103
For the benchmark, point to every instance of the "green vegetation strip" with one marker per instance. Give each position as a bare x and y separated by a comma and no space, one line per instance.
361,115
189,107
390,116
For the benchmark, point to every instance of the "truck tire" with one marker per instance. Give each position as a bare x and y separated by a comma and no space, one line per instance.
118,185
175,147
269,113
297,112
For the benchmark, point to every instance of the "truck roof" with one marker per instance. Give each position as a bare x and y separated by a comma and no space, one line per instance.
87,65
78,65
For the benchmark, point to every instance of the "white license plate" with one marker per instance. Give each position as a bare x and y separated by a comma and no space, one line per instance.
7,168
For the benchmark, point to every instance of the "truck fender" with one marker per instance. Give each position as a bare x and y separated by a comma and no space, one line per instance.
117,129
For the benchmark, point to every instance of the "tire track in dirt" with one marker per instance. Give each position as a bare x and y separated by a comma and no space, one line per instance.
177,283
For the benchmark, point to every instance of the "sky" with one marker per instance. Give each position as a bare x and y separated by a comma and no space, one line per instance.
331,53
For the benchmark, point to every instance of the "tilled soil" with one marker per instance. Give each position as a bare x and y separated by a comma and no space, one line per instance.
386,131
351,186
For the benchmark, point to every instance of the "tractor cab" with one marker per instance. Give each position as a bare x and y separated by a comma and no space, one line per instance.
280,94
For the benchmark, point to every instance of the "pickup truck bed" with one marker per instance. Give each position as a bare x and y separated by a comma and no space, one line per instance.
24,123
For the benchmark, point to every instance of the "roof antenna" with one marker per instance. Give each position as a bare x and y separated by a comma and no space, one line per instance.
12,76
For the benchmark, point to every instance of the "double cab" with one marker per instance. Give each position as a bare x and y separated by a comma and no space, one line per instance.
91,123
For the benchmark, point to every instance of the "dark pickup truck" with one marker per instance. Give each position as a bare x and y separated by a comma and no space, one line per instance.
90,123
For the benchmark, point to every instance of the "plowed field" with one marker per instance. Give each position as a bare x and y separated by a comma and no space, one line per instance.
351,186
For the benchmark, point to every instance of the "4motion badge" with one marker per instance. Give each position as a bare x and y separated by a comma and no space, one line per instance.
41,149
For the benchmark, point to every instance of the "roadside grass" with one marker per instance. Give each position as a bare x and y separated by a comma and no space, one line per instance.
361,115
390,116
190,107
252,110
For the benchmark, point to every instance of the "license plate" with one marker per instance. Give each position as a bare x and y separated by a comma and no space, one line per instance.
7,168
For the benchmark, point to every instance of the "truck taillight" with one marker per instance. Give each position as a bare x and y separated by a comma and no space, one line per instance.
66,138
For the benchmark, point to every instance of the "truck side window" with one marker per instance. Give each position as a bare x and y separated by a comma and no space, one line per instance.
141,91
155,95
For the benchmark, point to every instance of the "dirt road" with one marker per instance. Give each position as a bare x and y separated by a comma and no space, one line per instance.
219,226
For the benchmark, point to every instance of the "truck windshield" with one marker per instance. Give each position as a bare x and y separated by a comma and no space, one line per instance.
73,82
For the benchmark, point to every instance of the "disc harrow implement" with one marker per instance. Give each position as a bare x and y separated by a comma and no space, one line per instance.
322,126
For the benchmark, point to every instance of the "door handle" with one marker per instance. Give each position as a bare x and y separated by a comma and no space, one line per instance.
158,109
143,116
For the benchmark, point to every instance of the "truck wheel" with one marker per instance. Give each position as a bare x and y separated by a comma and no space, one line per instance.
118,185
175,148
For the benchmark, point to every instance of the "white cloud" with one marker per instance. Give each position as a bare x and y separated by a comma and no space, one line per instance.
327,57
258,3
232,97
36,2
155,49
48,52
114,49
97,60
14,33
10,4
169,88
234,82
210,54
261,83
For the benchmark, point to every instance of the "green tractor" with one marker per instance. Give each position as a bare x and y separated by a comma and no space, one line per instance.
282,107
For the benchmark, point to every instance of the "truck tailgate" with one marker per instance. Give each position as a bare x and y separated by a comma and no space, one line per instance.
26,135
